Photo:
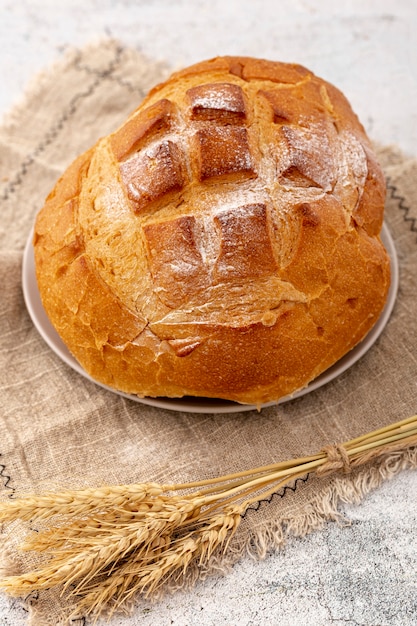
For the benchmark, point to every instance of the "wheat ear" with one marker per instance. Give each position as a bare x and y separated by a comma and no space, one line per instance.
106,545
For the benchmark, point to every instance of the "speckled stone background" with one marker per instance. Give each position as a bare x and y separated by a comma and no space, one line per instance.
364,572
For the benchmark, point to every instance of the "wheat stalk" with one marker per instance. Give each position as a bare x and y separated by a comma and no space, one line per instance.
106,545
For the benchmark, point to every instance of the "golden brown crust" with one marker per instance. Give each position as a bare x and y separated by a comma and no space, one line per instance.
223,242
223,103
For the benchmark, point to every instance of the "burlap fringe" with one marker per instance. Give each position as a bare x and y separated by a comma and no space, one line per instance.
342,489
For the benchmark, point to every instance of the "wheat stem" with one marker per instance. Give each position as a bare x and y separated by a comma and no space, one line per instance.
397,426
243,474
382,443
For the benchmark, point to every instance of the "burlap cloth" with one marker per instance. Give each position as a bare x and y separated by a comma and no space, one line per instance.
58,428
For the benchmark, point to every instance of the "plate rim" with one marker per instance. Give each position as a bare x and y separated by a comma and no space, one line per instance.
196,404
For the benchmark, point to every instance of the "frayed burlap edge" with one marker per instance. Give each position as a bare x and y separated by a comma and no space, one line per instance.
324,507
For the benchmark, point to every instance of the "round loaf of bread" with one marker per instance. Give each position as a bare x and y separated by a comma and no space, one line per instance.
223,242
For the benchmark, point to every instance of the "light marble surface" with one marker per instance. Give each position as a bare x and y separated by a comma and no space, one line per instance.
367,47
364,573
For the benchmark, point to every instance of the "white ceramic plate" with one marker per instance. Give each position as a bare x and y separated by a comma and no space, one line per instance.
191,404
